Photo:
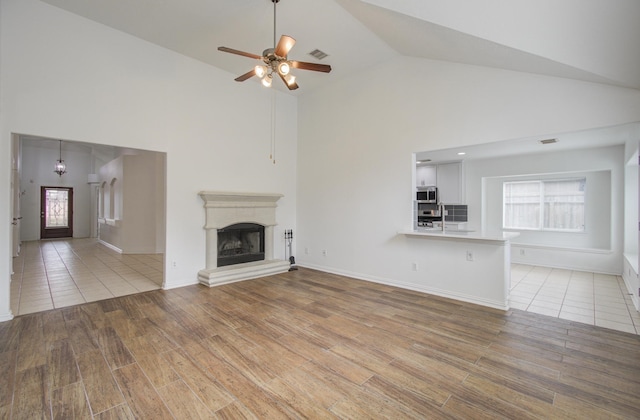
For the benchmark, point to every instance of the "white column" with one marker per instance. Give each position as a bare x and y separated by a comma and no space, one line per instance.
212,249
268,242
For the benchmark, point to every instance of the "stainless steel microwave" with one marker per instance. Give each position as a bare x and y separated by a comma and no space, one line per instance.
427,195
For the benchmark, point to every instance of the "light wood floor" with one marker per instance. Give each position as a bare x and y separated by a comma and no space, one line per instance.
307,344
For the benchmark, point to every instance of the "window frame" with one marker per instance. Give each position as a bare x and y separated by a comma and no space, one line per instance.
541,196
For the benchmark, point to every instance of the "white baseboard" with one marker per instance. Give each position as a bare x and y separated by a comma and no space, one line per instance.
431,291
6,317
108,245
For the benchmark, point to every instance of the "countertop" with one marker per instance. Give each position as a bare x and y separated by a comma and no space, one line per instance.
492,236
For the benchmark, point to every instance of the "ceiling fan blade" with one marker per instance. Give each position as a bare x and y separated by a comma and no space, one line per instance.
302,65
284,46
246,76
292,86
238,52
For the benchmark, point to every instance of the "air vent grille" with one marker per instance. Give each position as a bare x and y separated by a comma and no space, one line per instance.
318,54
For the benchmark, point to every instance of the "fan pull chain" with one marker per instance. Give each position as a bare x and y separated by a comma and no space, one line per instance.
272,156
274,23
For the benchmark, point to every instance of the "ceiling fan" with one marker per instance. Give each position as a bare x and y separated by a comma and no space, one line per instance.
276,61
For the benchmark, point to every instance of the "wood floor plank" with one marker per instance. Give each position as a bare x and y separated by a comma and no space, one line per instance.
101,388
459,408
115,352
120,412
271,352
203,384
8,375
570,408
415,403
253,369
298,402
530,404
69,402
10,334
235,411
182,402
31,349
312,387
81,337
151,361
141,396
61,364
53,326
31,397
123,325
344,367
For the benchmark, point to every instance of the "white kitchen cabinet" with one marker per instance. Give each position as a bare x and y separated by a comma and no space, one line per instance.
449,183
426,176
448,177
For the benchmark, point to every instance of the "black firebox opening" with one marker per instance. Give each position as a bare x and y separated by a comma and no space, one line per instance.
240,243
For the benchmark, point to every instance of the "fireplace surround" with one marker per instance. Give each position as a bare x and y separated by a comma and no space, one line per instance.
225,209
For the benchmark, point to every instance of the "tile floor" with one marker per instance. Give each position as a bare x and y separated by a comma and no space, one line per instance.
65,272
590,298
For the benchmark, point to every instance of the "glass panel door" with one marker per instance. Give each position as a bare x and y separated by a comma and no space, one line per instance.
56,212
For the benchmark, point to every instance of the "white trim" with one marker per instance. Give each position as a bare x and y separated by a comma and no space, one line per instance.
631,280
563,248
239,272
504,306
6,317
108,245
632,259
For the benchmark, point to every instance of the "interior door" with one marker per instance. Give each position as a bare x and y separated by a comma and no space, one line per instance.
56,212
15,195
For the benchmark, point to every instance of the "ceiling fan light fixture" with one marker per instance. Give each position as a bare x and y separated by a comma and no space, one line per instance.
261,71
266,80
290,79
284,68
276,60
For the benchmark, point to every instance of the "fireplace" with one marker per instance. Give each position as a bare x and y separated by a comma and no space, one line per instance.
240,243
239,237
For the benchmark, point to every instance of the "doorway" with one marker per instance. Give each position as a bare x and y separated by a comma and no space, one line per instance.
56,212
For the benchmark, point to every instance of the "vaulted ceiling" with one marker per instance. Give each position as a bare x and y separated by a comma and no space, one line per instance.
590,40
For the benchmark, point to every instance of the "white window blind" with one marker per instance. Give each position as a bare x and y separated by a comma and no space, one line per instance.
544,205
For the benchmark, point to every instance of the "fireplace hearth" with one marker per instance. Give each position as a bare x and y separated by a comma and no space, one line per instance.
240,243
239,237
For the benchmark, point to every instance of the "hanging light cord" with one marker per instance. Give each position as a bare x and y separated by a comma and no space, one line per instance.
274,23
272,156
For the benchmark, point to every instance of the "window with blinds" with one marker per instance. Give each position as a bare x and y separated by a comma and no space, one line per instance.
544,205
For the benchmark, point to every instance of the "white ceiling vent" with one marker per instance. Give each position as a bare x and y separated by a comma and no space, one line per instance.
549,141
318,54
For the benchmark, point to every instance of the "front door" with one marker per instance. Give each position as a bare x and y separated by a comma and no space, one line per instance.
56,212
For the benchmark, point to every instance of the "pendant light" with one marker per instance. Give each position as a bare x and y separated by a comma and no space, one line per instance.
60,167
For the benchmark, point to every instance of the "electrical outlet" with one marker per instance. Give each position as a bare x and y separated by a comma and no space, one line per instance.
469,256
522,252
414,266
306,251
324,252
174,264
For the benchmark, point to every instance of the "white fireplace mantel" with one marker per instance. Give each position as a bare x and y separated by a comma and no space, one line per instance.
223,209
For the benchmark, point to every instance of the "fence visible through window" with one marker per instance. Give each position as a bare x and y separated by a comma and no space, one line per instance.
545,205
